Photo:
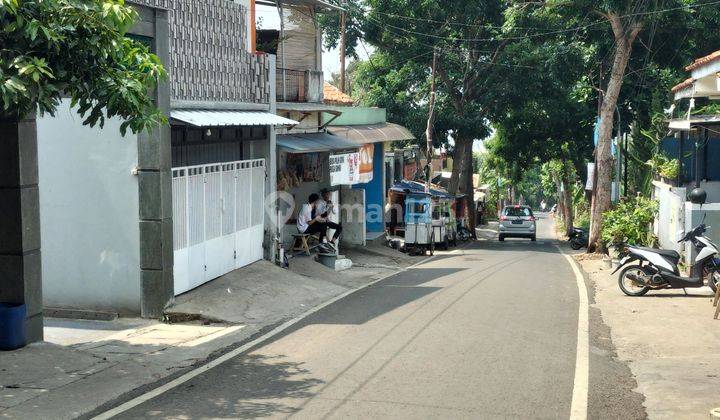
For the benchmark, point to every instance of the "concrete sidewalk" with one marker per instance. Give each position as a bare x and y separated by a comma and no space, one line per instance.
87,364
670,341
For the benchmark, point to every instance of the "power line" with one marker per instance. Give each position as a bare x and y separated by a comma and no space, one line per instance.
499,38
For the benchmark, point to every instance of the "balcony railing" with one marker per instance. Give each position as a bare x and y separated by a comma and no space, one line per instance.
299,85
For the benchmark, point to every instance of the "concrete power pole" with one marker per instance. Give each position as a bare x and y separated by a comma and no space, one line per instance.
342,49
430,122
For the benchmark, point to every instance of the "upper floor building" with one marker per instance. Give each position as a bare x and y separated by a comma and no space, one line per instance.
212,57
298,46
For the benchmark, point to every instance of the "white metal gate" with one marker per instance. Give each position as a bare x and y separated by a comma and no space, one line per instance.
217,219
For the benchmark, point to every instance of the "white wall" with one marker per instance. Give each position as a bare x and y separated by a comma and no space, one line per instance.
89,214
670,221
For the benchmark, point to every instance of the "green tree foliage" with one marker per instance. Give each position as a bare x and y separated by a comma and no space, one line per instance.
52,48
330,26
400,88
629,222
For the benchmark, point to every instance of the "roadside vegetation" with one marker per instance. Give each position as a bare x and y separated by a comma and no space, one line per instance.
545,85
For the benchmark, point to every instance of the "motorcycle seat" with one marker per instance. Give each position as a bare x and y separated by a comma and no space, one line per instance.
664,252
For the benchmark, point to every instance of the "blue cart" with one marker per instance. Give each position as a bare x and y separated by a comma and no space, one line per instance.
419,232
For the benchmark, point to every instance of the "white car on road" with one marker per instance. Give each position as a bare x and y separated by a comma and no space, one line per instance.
517,221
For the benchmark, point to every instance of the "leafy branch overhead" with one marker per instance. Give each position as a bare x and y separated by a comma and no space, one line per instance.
52,49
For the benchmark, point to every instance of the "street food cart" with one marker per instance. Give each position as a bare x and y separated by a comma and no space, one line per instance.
440,212
419,227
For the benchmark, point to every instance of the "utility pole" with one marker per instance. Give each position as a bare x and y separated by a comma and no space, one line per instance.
342,49
430,122
281,45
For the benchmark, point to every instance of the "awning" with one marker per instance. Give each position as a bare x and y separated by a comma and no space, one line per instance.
222,118
375,133
313,142
684,124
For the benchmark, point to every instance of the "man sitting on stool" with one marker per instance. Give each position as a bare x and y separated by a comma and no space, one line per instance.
308,222
325,208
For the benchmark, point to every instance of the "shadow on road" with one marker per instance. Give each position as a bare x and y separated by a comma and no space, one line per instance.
248,387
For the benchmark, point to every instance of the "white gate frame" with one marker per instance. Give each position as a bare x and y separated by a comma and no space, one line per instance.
218,220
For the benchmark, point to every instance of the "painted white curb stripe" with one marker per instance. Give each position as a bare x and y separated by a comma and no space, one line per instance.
578,408
234,353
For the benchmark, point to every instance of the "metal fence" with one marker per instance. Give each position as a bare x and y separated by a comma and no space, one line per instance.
290,85
217,219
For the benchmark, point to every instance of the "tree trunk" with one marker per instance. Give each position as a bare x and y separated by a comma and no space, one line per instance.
461,170
560,211
461,178
567,205
624,39
467,188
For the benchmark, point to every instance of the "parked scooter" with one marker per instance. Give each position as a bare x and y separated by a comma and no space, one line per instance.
578,238
658,268
463,233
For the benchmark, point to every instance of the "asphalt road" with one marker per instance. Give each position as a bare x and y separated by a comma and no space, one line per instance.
487,332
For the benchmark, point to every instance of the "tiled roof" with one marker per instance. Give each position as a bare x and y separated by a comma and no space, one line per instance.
703,60
332,95
683,85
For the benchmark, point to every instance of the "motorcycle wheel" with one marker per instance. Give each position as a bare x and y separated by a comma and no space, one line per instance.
575,245
628,286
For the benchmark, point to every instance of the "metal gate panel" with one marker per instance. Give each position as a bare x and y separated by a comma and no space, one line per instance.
244,194
217,220
196,227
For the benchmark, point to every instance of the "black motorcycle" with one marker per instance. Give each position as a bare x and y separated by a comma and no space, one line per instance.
578,238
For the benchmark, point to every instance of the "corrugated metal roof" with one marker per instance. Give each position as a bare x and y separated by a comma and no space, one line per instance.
313,142
363,134
308,107
216,118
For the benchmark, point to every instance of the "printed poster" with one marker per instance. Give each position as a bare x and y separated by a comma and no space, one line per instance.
345,169
366,163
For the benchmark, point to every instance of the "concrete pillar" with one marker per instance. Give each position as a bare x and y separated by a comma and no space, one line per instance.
155,195
270,153
20,269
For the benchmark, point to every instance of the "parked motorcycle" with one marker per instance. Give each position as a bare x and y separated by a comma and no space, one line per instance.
658,268
463,233
578,238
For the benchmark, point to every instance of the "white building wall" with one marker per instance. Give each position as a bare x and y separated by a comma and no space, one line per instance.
670,221
89,214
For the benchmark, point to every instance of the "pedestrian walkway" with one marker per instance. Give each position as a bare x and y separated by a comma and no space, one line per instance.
669,339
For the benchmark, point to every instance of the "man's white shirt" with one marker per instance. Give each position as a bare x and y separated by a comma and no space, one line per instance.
304,218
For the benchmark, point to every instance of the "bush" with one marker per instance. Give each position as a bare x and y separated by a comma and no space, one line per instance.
582,219
629,222
670,169
664,166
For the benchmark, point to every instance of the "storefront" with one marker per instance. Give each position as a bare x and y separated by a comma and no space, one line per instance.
311,163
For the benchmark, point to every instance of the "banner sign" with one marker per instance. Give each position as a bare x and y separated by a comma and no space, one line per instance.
345,169
352,168
590,176
366,163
